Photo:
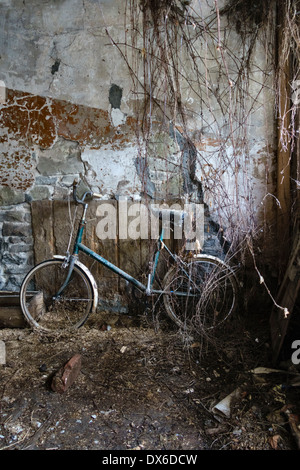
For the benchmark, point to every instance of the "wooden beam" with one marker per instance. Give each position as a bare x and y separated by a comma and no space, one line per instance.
283,149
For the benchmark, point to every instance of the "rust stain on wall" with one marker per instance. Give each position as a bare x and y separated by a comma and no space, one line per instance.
28,119
16,169
29,122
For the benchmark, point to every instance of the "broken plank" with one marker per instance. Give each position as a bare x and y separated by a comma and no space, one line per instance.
11,317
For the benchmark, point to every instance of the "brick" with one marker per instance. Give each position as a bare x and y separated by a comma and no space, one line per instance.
66,375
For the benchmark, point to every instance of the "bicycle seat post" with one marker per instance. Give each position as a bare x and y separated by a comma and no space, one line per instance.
148,289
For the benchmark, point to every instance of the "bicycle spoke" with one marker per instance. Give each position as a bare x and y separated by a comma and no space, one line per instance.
43,310
202,295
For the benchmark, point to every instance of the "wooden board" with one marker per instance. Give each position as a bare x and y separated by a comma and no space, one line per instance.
10,311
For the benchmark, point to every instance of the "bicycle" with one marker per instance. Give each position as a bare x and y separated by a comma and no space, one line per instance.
60,293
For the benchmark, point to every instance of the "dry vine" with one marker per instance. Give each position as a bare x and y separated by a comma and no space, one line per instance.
169,48
182,52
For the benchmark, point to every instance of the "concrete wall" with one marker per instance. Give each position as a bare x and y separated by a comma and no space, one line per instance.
68,109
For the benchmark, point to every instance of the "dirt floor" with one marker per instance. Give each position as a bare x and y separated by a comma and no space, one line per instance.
142,386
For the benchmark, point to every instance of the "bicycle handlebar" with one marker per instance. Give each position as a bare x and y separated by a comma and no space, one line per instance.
87,193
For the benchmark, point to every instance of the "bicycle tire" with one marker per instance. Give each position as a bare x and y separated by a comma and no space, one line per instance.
38,289
202,294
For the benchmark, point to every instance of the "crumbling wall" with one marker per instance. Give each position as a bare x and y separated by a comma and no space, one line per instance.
71,107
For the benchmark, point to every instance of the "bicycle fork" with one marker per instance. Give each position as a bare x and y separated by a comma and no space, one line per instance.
154,264
71,260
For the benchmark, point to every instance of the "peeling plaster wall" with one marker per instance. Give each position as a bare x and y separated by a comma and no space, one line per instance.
68,111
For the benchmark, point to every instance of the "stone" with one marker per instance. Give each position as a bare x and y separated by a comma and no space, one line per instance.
66,375
9,196
16,229
13,215
63,158
17,257
39,193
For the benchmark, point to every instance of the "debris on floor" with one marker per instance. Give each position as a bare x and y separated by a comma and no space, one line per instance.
136,386
66,375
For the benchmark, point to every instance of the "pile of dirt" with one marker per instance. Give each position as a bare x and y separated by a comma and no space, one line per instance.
143,387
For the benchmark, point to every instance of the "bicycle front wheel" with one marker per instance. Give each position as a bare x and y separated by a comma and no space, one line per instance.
201,294
40,305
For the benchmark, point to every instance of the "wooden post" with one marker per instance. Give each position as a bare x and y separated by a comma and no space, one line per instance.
283,150
288,226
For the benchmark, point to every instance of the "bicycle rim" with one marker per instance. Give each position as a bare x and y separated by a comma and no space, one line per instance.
46,313
202,295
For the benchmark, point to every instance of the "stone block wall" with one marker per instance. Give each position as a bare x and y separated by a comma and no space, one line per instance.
16,245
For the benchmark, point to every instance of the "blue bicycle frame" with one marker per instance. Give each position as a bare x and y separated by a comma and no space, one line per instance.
79,246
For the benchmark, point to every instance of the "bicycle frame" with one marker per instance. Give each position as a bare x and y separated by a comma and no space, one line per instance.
80,247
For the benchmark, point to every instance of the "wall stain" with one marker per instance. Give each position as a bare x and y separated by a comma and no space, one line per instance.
28,121
115,96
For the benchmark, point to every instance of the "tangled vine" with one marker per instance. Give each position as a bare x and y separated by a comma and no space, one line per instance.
196,75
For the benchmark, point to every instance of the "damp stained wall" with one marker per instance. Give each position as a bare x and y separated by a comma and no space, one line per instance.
67,110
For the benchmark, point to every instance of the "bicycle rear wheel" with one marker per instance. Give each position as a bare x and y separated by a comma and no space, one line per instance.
202,294
46,313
